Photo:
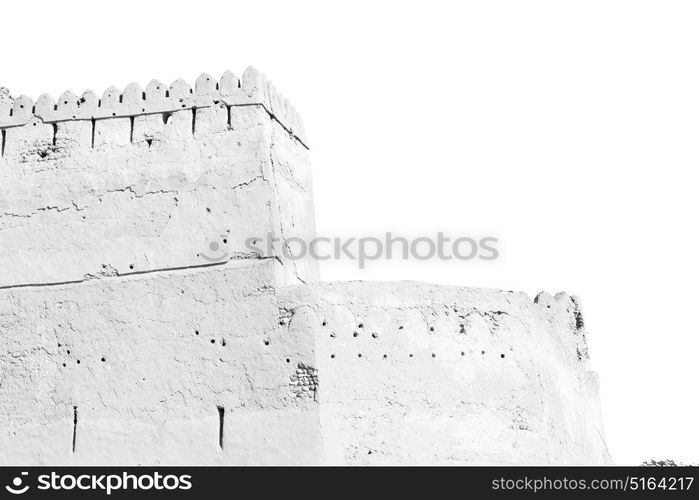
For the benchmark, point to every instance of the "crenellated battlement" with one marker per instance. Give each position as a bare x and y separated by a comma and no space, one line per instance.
252,89
147,179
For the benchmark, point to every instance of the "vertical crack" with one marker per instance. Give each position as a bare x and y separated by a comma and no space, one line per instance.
75,425
92,143
4,139
221,415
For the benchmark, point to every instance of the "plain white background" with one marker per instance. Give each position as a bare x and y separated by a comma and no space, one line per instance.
569,130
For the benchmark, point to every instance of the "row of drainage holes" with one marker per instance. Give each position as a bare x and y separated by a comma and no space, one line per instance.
78,361
385,356
223,341
462,328
361,325
376,335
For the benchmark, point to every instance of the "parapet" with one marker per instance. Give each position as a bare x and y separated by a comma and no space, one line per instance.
252,89
147,180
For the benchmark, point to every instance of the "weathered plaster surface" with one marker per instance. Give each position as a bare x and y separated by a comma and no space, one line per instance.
146,361
121,343
415,373
150,190
330,373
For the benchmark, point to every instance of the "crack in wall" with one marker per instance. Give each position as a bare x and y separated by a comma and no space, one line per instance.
115,274
77,208
129,189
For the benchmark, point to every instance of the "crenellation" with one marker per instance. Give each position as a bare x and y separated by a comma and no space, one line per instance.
45,105
229,84
22,109
180,90
89,100
205,85
133,97
252,89
67,106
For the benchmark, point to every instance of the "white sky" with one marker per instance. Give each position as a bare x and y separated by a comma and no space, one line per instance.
568,129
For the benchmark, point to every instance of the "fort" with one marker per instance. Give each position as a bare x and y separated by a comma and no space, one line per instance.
125,339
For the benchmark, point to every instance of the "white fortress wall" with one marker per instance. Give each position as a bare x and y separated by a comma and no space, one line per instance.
176,367
415,373
147,179
137,327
